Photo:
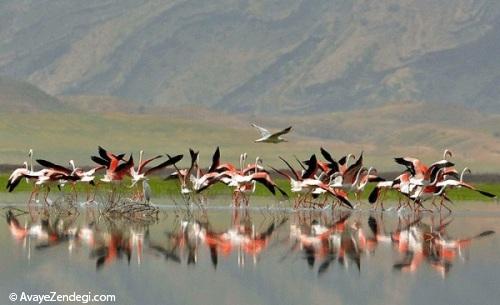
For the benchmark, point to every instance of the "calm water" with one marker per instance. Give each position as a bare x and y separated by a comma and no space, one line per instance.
255,256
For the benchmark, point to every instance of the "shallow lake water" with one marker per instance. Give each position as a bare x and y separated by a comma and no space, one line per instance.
254,256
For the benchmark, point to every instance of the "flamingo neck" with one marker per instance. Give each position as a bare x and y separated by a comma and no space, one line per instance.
357,176
365,181
463,173
436,179
447,154
140,157
31,161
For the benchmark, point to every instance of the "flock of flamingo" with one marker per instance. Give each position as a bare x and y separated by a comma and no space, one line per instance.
314,184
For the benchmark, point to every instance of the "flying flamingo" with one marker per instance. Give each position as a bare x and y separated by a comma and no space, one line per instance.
451,183
142,173
53,175
306,184
115,171
28,173
365,177
185,176
349,179
86,177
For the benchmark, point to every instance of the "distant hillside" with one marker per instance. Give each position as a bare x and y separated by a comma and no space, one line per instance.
19,96
409,129
98,104
400,128
254,57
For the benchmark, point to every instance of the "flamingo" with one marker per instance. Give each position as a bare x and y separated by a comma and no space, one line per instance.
219,167
421,174
344,162
53,174
447,154
28,173
141,174
306,185
267,137
86,176
350,177
247,183
400,183
422,193
185,176
245,180
296,182
450,183
17,175
115,171
217,172
364,178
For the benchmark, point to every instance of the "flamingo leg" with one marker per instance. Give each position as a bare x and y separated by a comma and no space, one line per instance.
47,195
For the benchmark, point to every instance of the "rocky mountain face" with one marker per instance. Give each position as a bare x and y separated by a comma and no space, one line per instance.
281,56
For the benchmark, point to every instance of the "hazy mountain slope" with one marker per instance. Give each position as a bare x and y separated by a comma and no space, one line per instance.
19,96
405,128
258,56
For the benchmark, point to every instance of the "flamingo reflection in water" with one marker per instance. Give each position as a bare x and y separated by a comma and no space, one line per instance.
241,237
419,242
321,238
344,239
106,242
324,238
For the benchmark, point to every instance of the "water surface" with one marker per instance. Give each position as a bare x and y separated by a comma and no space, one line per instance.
255,256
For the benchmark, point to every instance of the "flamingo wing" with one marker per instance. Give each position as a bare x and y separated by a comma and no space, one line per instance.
103,153
54,166
146,162
408,162
100,161
352,171
169,162
125,167
296,175
215,160
312,167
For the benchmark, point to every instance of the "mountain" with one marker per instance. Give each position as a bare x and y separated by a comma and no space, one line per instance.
258,57
19,96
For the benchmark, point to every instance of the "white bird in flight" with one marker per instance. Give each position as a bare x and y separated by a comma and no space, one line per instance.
267,137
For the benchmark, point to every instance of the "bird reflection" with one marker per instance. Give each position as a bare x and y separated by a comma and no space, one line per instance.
419,242
241,237
321,239
325,239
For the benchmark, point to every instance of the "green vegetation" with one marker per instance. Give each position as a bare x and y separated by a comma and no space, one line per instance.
70,135
62,136
162,188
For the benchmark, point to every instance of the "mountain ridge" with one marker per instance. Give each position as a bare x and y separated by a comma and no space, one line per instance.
280,57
